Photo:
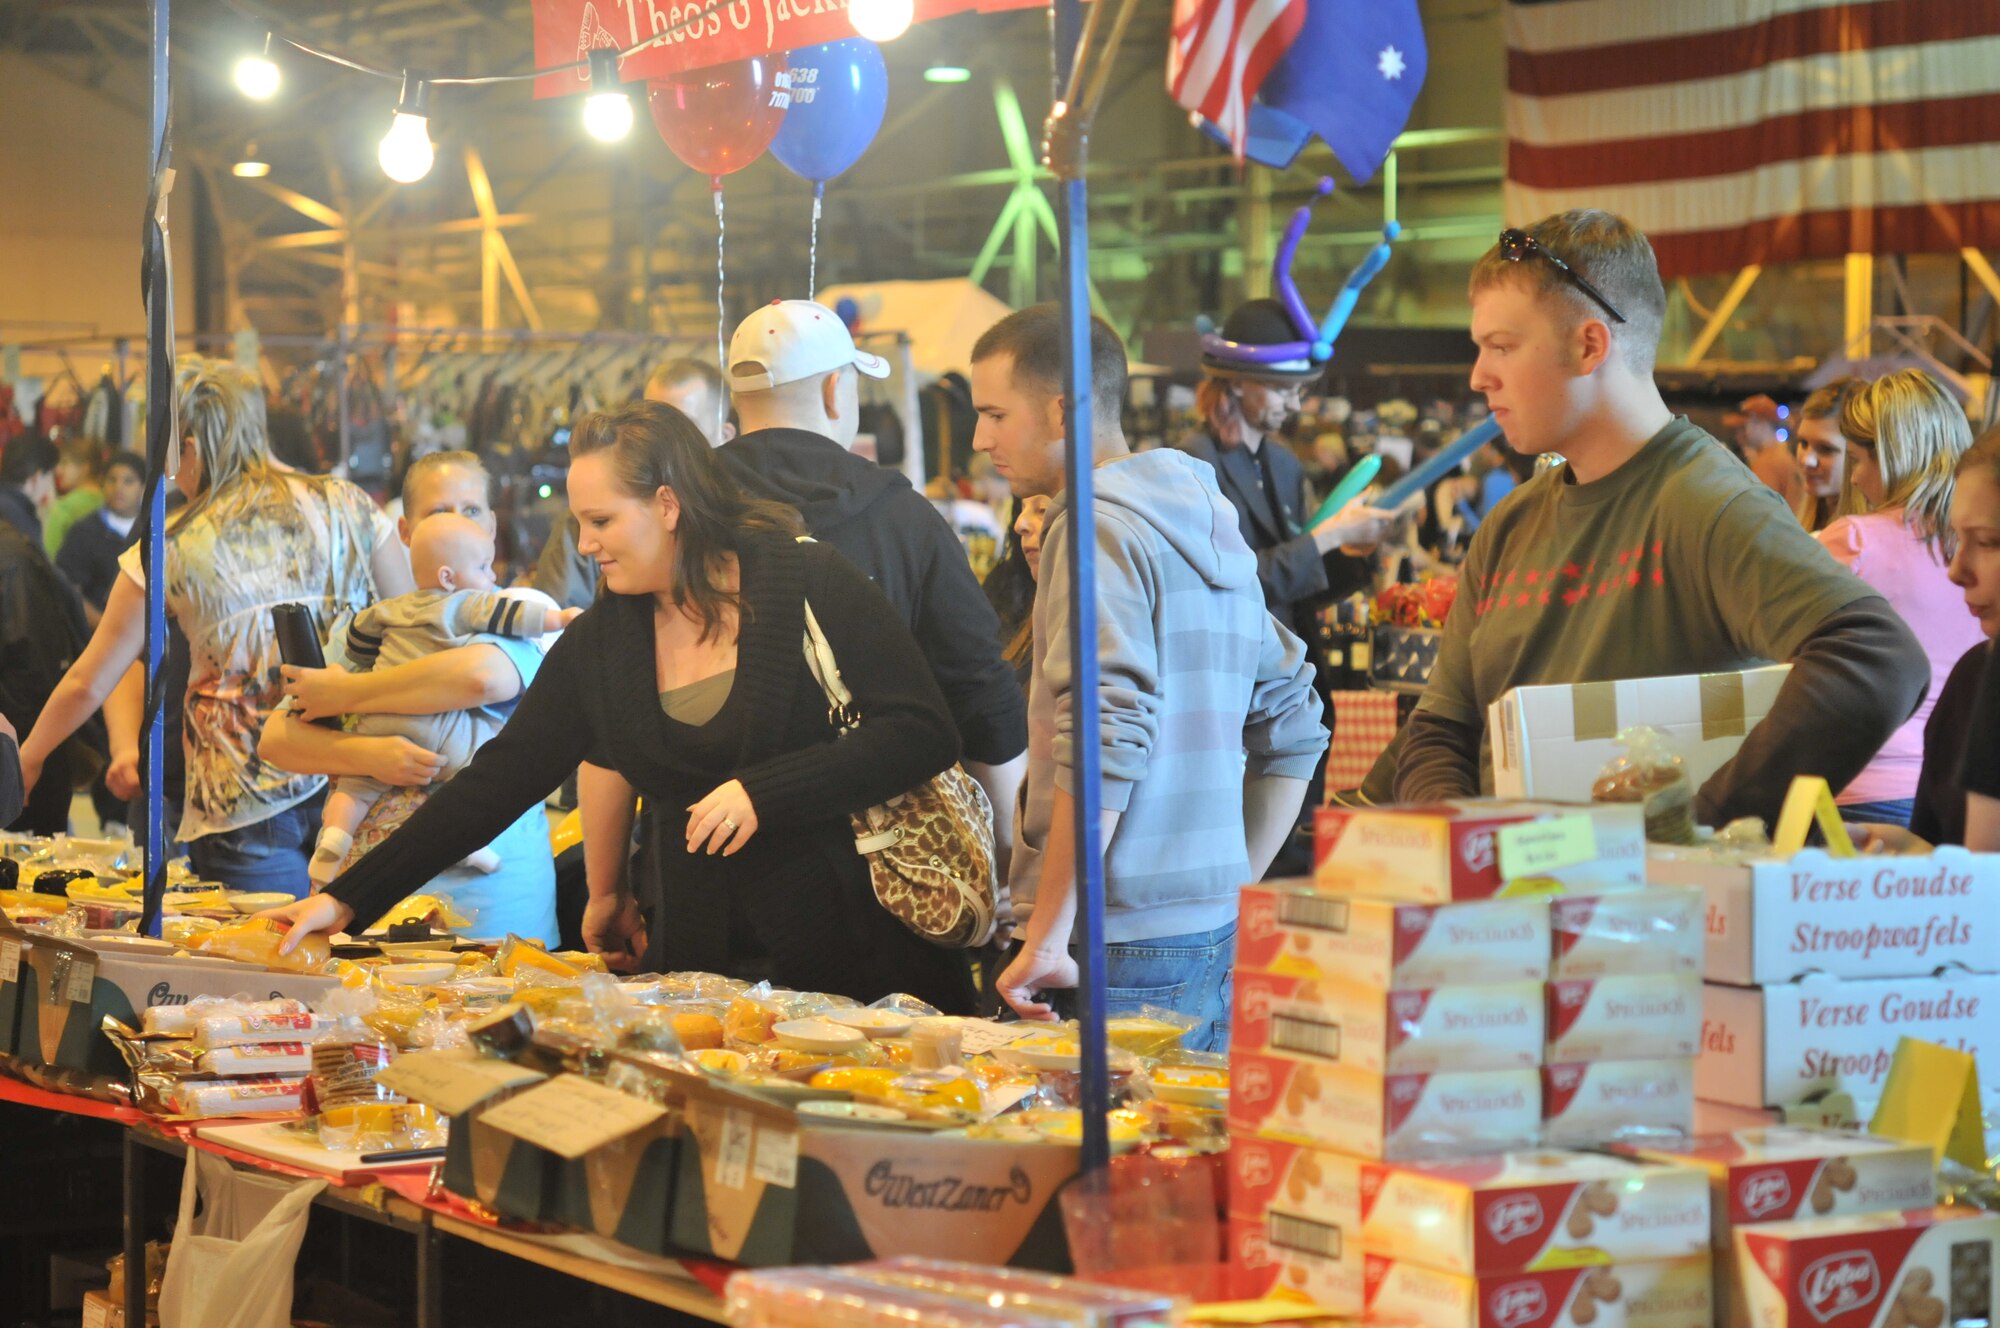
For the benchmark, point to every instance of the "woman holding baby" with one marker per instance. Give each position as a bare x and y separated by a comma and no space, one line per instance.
252,535
687,681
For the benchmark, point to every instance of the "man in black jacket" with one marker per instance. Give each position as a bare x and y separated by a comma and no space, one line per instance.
793,374
1243,406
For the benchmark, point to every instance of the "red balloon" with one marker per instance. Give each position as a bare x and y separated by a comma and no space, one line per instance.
719,120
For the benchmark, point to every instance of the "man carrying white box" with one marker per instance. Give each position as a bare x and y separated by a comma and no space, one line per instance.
1652,552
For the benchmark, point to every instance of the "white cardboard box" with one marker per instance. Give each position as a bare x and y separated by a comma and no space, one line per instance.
1660,1293
1772,1046
1778,919
1927,1268
1293,928
1553,741
1491,1026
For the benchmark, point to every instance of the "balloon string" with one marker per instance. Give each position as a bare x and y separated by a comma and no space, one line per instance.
721,312
812,251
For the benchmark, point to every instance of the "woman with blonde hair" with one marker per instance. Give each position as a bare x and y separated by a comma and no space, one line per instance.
253,535
1821,451
1905,436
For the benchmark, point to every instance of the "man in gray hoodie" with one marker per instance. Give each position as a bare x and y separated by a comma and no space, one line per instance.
1208,724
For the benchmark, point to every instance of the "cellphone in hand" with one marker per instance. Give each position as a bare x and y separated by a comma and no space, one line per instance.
297,630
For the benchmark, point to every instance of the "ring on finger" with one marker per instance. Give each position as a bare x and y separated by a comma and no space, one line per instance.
729,825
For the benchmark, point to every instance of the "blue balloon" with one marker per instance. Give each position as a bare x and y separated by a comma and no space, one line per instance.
838,92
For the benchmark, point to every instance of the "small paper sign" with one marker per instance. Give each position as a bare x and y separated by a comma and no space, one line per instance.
775,1159
976,1037
10,961
1536,848
82,974
452,1084
732,1159
1932,1096
570,1116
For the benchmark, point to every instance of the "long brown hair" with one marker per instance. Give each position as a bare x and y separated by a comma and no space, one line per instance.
651,446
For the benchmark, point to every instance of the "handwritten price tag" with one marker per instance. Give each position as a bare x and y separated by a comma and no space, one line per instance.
82,974
453,1084
10,961
1536,848
732,1159
570,1116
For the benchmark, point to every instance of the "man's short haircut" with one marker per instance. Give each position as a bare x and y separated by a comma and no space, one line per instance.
684,370
131,461
432,462
1605,250
28,455
1034,337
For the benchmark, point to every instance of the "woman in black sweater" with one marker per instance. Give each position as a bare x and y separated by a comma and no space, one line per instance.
688,678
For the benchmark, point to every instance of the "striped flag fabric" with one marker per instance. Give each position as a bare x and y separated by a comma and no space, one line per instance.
1221,52
1759,131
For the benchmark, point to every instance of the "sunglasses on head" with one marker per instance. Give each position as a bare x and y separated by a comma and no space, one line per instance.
1517,245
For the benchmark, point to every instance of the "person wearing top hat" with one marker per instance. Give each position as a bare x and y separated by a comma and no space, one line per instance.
1243,406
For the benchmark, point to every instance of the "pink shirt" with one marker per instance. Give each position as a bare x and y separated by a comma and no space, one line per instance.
1882,551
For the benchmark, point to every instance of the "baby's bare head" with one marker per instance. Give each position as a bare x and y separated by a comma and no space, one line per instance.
451,552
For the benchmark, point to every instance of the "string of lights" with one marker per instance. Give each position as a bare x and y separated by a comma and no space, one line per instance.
407,154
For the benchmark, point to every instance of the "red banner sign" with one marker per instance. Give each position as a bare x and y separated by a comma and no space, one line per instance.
690,38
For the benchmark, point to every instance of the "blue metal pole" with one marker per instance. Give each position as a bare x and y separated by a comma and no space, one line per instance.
160,445
1074,219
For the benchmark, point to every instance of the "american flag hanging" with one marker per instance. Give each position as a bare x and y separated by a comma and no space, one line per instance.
1221,53
1759,131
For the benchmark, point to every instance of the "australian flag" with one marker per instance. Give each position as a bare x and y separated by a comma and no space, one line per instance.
1350,75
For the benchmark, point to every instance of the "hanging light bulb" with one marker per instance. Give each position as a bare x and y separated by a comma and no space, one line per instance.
257,76
607,111
881,20
252,166
406,154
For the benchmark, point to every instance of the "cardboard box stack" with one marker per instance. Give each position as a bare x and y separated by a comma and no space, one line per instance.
1421,1003
1783,1174
1816,966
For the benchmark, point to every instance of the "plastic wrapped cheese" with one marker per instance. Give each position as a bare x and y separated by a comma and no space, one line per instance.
235,1030
258,1058
185,1020
239,1097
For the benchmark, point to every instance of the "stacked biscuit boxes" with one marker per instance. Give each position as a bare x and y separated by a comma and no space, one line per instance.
1795,1178
1412,1028
1817,966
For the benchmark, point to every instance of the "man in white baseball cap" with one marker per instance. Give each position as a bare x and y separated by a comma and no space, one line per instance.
789,366
794,375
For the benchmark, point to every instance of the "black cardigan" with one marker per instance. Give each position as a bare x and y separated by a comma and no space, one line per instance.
798,881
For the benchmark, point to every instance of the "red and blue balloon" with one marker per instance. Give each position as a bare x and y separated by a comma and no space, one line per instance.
816,108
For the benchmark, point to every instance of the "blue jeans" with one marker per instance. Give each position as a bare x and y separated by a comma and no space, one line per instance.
1894,812
1190,975
270,855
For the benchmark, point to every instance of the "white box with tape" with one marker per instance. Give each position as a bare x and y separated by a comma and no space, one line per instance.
1553,741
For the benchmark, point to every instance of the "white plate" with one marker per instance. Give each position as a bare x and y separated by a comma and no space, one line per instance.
818,1035
850,1111
417,975
256,901
1189,1095
873,1023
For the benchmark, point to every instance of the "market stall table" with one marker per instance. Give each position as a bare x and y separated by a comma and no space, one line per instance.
401,1201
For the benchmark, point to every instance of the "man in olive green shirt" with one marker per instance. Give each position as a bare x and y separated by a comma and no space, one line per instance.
1653,551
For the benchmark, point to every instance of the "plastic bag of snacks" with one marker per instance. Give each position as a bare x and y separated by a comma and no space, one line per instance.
256,941
349,1055
1649,773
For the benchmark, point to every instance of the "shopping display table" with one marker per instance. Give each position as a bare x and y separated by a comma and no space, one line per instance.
407,1201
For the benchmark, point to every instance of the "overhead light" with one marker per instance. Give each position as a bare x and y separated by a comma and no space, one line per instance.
607,111
947,74
257,76
881,20
406,153
250,168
